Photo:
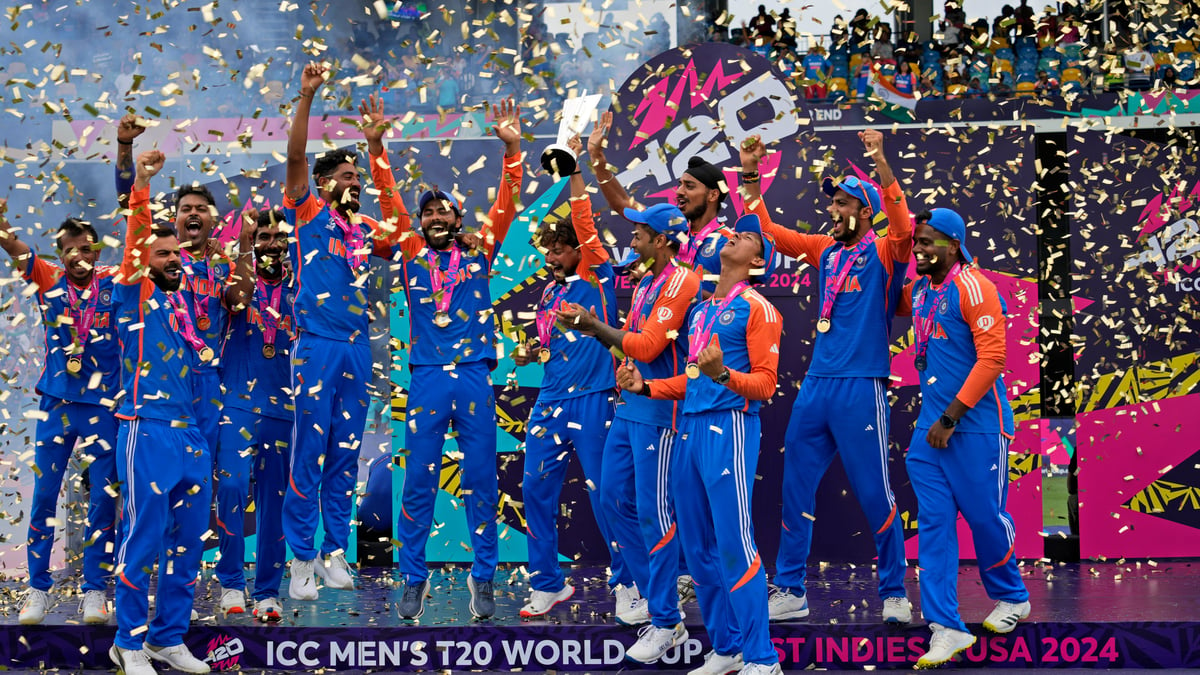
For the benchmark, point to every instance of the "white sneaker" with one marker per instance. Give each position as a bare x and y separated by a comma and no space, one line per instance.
195,615
897,610
303,585
268,609
761,669
335,571
945,644
541,602
686,587
1005,617
94,607
784,606
233,601
177,657
719,664
653,642
637,614
33,608
131,661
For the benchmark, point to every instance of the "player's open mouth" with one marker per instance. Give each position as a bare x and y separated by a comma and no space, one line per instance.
193,225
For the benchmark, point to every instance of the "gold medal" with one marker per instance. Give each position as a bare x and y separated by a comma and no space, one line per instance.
74,364
544,355
268,351
203,323
823,325
693,370
206,354
441,319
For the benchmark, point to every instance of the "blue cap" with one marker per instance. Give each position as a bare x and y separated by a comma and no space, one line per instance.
664,219
857,188
949,223
750,223
430,195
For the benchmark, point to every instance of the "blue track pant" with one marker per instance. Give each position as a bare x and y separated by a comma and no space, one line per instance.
968,477
437,398
848,416
713,485
166,472
329,379
95,429
555,429
206,383
252,446
638,508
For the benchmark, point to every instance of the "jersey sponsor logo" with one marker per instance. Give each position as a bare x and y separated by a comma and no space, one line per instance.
775,348
665,314
726,317
985,322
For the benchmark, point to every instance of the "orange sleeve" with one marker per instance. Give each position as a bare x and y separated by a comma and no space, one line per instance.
798,245
899,228
666,318
504,209
137,230
591,249
763,331
306,209
904,307
979,303
42,274
669,389
396,221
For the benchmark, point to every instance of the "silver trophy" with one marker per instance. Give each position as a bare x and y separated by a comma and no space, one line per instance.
557,158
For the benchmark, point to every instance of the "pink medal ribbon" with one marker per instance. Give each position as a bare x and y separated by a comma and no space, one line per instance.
199,300
442,283
687,252
186,329
834,285
704,326
352,237
547,312
923,324
269,312
645,289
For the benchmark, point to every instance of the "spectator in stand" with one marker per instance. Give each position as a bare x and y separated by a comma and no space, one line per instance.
951,35
1168,80
862,78
448,91
1004,24
839,33
1045,85
816,72
763,25
904,81
1071,28
974,89
1138,66
1026,27
929,88
881,50
860,33
785,37
1047,28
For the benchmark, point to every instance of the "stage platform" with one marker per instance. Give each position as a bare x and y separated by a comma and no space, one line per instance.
1085,615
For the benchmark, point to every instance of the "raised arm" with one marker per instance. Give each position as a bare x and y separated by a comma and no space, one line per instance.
297,178
798,245
18,250
591,249
616,196
507,127
899,229
396,222
129,128
135,256
239,288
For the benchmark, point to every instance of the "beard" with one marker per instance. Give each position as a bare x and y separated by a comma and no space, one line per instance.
165,283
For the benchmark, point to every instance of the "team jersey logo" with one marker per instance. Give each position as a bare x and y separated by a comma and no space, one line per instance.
985,322
861,262
943,306
106,297
710,247
726,317
665,314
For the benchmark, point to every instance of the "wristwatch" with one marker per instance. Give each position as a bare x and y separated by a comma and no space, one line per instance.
948,421
723,378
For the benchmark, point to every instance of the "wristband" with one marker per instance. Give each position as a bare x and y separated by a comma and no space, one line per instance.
121,142
645,389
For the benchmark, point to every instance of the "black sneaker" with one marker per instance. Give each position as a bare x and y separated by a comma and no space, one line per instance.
483,601
412,603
